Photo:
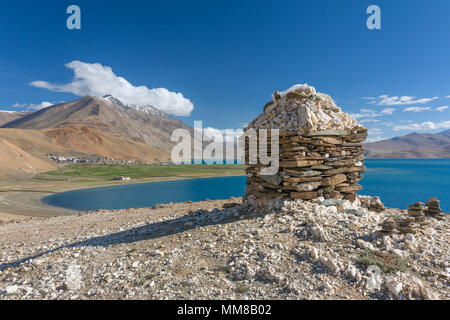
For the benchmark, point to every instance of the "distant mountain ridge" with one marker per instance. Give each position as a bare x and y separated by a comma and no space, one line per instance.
414,145
8,116
102,126
141,123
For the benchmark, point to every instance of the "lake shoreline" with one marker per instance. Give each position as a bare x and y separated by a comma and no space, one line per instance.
22,197
31,200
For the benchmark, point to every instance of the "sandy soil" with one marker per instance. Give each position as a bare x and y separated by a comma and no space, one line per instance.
9,218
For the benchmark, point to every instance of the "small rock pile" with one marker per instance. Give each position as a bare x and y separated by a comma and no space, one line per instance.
320,150
434,208
407,225
388,225
372,203
402,225
416,218
416,211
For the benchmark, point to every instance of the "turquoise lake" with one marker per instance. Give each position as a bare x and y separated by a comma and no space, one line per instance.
398,182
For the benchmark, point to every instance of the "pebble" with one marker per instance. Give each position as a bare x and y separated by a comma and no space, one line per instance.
394,287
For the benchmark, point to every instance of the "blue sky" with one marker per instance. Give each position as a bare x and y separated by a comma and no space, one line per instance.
227,57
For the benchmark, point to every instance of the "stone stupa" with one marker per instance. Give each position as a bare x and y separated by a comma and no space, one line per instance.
320,150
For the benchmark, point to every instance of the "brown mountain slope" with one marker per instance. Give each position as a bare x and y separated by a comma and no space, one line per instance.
92,125
414,145
142,124
80,139
6,116
16,161
88,140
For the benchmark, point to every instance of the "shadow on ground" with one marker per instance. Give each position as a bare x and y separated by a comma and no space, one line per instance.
198,219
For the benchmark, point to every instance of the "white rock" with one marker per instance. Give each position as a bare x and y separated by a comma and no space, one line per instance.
73,277
313,253
331,265
328,287
318,232
352,226
398,252
374,282
316,113
12,289
394,287
387,242
352,272
410,238
364,245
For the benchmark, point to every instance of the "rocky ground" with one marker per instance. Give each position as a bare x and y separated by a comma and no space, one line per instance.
205,251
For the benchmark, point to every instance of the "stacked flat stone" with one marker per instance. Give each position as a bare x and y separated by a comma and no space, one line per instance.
416,211
388,226
402,225
372,203
434,208
320,149
407,225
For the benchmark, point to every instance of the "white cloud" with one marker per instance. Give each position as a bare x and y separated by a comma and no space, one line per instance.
39,106
441,108
365,113
217,134
416,109
428,125
369,120
385,100
374,135
32,106
370,113
374,139
448,97
375,131
98,80
19,105
388,111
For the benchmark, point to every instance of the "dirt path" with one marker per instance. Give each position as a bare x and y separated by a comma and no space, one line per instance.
29,204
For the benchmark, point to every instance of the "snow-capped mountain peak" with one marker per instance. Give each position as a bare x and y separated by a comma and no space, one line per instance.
147,109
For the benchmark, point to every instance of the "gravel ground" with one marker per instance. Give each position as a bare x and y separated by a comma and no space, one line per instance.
205,251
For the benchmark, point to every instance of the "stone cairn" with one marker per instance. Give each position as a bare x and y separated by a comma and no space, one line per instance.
416,218
434,208
388,225
320,150
416,211
372,203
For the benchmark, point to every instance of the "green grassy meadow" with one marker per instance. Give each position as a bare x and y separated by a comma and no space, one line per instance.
86,172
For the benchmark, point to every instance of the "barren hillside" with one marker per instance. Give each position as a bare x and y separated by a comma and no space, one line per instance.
16,161
414,145
110,116
101,126
8,116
